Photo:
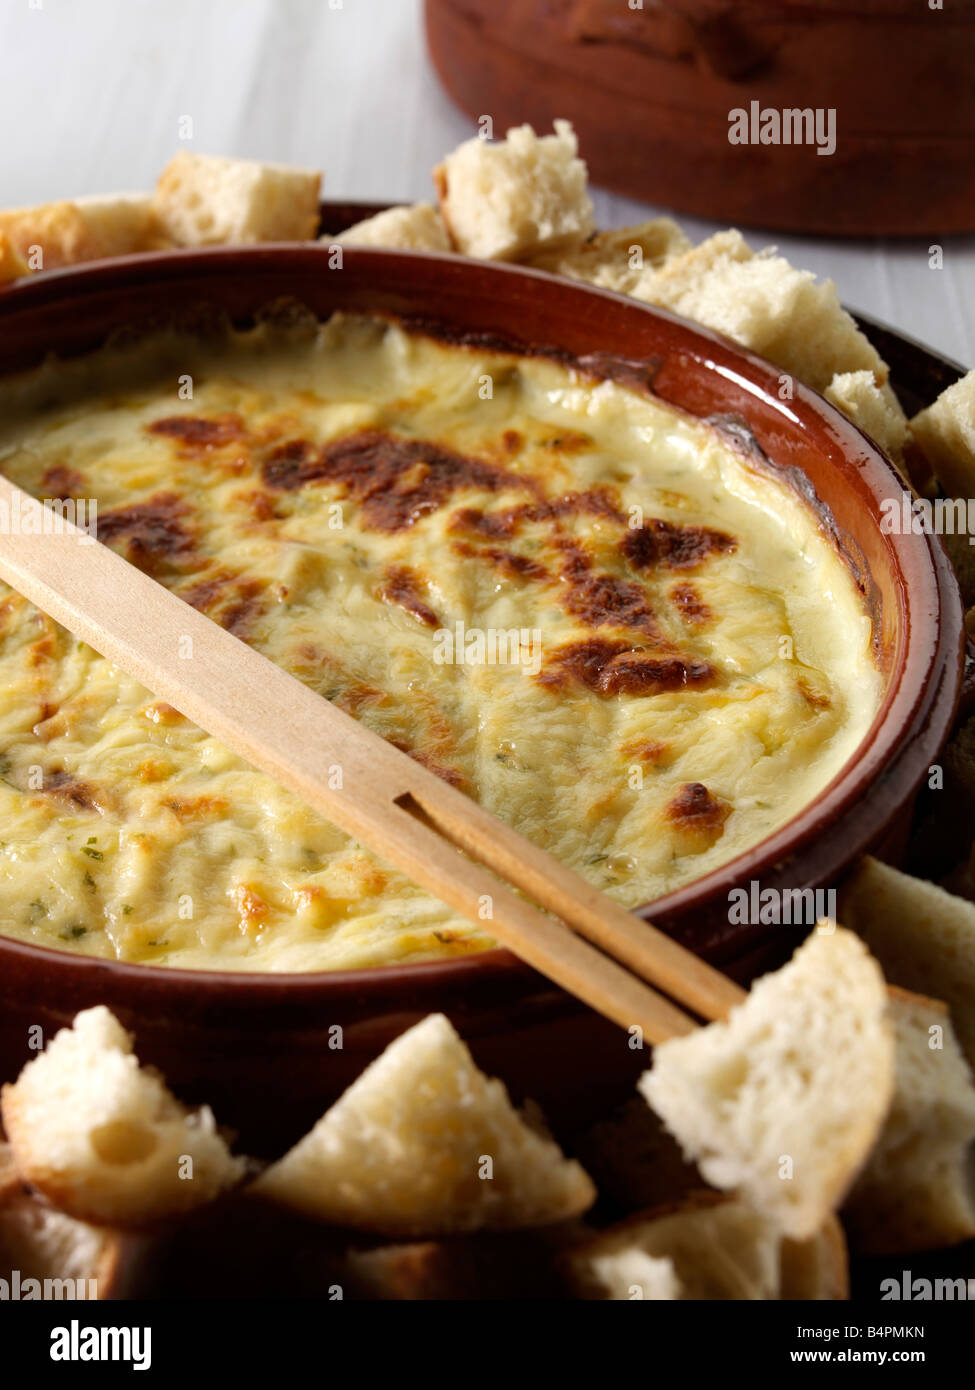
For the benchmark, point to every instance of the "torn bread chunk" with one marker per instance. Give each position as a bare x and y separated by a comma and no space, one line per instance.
415,228
635,1162
873,409
785,1100
818,1269
630,1273
923,937
12,263
203,199
619,260
945,433
10,1179
765,304
917,1191
716,1247
422,1144
103,1138
50,236
515,198
87,229
123,224
53,1256
760,301
710,1246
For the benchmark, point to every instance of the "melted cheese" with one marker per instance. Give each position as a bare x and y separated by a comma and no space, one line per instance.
696,663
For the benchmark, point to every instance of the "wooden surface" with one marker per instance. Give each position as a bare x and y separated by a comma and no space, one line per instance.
381,797
92,93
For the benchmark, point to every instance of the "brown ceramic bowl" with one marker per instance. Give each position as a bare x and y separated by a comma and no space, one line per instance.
650,88
257,1046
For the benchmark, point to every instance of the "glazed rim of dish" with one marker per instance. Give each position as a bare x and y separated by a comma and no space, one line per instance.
915,608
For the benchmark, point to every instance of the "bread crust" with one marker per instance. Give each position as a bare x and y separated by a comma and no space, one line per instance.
817,1269
49,236
945,435
714,1089
402,1151
12,263
921,934
65,233
418,227
917,1190
103,1139
42,1242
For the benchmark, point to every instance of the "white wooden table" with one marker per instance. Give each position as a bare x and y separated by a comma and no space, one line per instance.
92,93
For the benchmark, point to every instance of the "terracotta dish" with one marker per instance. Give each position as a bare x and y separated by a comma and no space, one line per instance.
650,89
258,1046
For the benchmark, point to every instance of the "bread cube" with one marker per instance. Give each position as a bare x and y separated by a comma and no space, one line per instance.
204,199
418,227
515,198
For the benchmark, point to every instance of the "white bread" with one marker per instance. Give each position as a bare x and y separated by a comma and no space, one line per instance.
635,1162
104,1139
923,937
402,1151
917,1191
709,1246
716,1248
38,1242
874,409
86,229
627,1272
203,198
58,231
418,227
619,260
515,198
765,304
122,224
9,1177
945,433
818,1269
760,301
785,1100
12,263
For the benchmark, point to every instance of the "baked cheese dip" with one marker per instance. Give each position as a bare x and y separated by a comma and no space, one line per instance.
589,613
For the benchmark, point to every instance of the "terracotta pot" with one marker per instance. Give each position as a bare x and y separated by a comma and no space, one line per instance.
258,1046
650,88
